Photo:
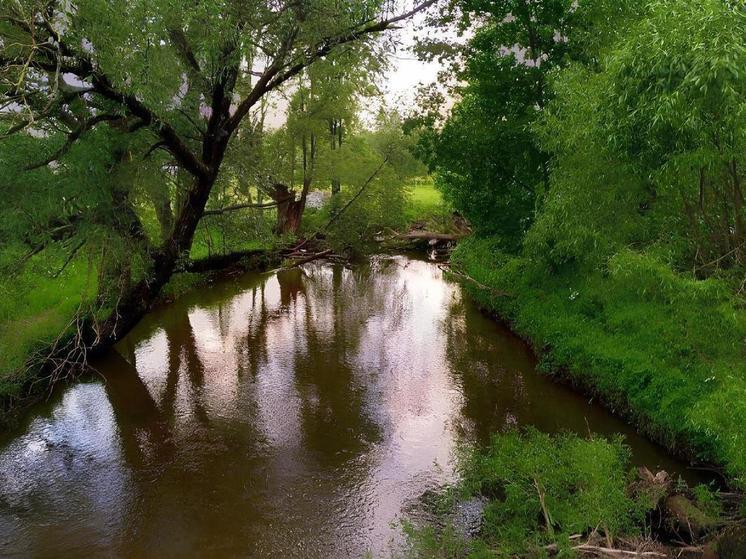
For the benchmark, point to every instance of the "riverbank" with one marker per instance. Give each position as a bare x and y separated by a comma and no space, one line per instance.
530,494
40,317
664,351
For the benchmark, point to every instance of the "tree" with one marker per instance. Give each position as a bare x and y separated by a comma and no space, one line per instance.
322,110
486,160
646,141
675,105
485,154
188,75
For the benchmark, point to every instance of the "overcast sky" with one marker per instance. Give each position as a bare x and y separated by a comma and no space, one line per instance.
406,73
399,84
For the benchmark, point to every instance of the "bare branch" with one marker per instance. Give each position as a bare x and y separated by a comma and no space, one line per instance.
357,195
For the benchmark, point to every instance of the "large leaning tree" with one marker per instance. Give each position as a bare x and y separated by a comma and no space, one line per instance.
187,74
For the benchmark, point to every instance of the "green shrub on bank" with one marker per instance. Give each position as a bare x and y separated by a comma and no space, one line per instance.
668,349
540,490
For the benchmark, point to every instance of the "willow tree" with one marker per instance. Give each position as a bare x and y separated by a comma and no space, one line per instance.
188,73
321,112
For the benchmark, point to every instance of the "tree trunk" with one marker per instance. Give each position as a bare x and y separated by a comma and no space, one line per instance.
289,216
289,209
335,129
133,302
161,201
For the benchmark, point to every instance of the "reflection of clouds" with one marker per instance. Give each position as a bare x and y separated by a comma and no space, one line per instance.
311,406
292,415
151,360
65,476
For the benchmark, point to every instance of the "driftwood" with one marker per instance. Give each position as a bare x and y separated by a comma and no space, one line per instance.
617,552
309,258
430,236
463,276
597,550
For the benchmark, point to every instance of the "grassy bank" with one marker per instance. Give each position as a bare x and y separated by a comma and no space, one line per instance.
36,305
666,350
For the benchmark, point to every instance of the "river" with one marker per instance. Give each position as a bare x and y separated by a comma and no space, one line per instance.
293,414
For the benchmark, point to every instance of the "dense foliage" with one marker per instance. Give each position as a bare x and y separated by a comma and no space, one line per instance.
630,272
539,490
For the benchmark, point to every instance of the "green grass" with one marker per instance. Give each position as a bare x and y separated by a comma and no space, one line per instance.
35,308
667,348
538,490
425,201
236,234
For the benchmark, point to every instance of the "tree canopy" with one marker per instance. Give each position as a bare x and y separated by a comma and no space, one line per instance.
168,82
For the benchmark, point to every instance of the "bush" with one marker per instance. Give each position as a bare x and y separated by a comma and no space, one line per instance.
540,489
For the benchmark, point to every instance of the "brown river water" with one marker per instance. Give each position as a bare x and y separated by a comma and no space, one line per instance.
293,414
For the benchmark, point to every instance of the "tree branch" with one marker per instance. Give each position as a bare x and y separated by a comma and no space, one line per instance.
357,195
72,138
235,207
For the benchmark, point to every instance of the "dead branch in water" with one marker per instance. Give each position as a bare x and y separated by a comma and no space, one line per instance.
449,269
309,258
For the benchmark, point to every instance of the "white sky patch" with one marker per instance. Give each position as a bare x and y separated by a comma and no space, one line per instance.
398,85
402,80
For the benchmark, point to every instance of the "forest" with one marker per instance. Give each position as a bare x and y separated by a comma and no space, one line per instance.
576,168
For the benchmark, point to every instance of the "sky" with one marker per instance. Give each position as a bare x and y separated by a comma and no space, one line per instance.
399,83
406,73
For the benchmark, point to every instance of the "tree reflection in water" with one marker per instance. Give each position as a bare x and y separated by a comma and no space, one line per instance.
293,414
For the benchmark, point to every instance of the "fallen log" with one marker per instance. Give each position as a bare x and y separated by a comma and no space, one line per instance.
430,236
220,261
617,552
596,550
309,258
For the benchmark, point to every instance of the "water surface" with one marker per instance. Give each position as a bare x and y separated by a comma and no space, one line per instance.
295,414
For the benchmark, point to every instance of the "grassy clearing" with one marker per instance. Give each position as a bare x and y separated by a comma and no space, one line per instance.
668,349
425,202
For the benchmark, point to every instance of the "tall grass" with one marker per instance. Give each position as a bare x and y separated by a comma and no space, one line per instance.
36,306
